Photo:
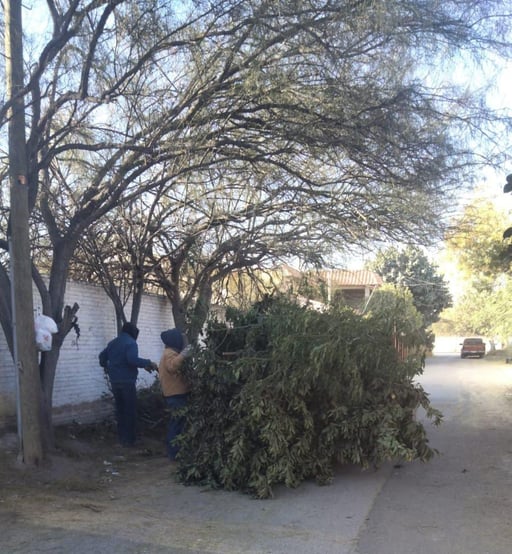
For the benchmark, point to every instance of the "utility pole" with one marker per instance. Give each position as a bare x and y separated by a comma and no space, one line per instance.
25,353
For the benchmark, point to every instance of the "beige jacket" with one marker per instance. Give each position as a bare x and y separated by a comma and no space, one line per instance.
171,380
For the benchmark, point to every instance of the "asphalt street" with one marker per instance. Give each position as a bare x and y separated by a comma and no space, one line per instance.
461,501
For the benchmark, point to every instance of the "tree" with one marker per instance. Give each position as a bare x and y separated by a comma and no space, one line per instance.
471,315
114,253
475,243
393,307
21,312
410,267
80,166
292,113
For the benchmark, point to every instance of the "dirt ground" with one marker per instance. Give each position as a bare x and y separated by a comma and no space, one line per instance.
87,473
97,497
85,458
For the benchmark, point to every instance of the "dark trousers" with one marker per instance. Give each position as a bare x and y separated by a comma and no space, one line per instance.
125,397
176,421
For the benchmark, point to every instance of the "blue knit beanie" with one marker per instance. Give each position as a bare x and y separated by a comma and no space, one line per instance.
173,338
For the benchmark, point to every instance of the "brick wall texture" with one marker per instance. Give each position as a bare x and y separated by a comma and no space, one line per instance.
80,385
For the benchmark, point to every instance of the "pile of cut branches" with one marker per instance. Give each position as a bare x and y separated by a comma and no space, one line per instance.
282,393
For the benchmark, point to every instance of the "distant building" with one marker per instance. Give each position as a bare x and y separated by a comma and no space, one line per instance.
354,286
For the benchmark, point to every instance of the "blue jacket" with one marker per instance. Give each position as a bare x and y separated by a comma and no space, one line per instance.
121,359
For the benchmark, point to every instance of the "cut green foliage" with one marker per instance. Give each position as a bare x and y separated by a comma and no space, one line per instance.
283,393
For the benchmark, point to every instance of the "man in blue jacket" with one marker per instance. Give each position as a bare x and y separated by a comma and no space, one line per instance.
121,359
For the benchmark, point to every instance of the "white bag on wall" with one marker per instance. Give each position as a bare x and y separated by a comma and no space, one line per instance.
44,327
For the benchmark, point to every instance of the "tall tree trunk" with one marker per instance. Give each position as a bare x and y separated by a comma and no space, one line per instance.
201,311
178,311
25,354
138,291
54,308
48,368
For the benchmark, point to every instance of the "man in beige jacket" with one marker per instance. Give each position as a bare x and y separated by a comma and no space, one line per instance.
174,387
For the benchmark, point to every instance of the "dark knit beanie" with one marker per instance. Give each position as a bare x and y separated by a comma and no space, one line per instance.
130,329
173,338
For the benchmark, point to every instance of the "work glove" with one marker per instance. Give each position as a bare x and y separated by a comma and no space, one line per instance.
187,351
151,367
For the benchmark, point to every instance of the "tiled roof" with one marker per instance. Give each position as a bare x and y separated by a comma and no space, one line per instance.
348,278
339,277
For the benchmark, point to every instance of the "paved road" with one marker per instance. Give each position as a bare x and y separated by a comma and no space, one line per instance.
461,502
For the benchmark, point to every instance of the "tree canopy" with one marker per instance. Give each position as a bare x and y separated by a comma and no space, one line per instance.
257,130
411,268
475,244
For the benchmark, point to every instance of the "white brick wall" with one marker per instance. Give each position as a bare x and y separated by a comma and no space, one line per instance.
79,380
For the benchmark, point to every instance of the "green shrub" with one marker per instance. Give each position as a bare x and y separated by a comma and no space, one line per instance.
283,393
